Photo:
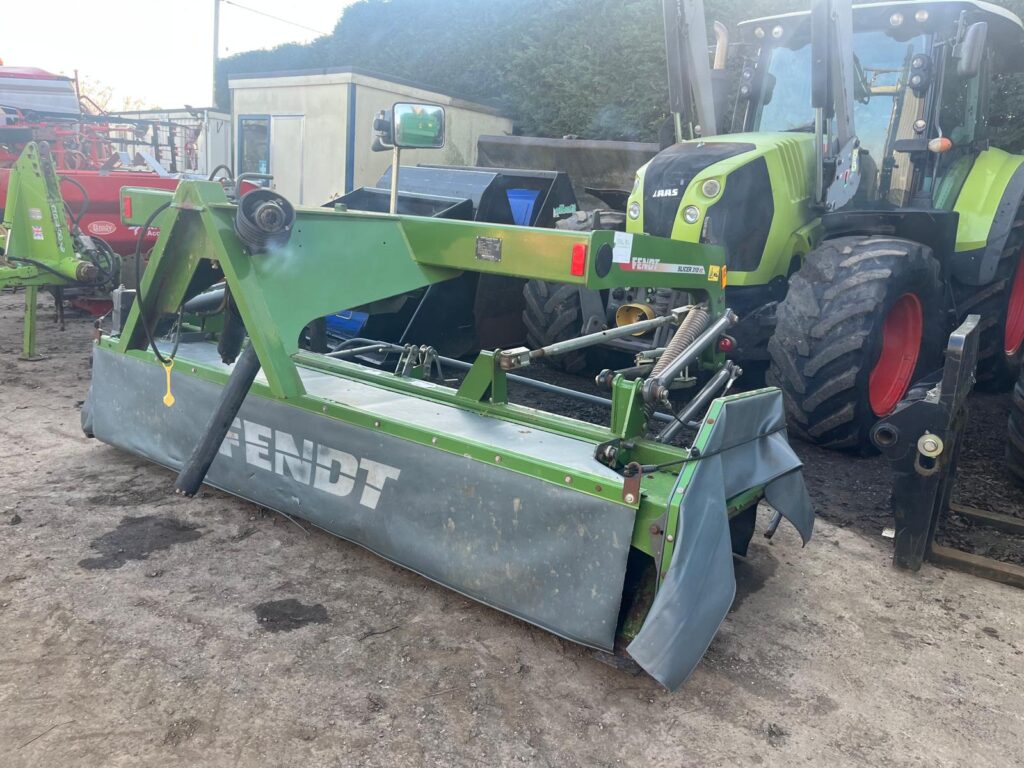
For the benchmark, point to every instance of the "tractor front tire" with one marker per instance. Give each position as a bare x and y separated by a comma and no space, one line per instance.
554,313
863,318
553,310
1015,437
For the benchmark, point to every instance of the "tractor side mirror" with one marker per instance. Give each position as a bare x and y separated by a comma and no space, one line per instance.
382,140
971,50
417,126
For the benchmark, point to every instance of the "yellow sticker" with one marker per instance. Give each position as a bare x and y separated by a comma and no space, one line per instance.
169,398
713,273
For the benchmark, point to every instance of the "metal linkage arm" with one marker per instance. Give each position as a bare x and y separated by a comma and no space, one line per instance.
520,357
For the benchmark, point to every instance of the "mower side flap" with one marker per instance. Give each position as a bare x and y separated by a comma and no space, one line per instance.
550,555
746,449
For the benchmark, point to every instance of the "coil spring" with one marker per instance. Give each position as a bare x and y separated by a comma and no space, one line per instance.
689,329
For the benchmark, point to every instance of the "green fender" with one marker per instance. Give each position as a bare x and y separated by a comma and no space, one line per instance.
987,204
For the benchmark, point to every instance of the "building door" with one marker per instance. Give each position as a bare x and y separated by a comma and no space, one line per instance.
286,156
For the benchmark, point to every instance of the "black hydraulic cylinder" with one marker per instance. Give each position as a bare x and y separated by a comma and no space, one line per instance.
194,470
232,335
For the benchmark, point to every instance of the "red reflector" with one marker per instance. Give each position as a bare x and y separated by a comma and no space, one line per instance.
726,344
578,267
126,207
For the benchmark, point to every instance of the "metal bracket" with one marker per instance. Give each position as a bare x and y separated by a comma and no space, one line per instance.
922,438
631,483
485,381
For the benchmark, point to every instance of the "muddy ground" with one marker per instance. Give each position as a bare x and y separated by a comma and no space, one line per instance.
139,629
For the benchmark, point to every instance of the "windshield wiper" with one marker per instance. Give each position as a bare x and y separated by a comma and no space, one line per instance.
805,128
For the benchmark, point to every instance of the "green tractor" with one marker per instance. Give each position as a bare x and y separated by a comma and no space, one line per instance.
861,207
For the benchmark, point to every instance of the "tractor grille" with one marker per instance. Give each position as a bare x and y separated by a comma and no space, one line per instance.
668,175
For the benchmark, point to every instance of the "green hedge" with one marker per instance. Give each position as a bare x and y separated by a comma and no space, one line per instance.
593,68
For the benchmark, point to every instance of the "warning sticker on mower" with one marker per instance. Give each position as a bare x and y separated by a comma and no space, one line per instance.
37,233
622,248
656,265
36,214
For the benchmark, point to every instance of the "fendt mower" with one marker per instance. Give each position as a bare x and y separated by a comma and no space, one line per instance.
591,532
861,208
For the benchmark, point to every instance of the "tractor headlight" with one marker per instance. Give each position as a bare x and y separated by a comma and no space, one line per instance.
634,210
896,19
921,16
711,188
690,214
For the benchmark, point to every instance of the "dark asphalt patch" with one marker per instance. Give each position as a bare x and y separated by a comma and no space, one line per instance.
286,615
136,538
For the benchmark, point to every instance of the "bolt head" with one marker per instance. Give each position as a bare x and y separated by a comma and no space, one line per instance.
630,498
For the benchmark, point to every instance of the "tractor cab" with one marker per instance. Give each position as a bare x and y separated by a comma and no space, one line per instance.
920,90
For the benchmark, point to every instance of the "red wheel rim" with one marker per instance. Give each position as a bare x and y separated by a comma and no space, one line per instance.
1013,335
901,345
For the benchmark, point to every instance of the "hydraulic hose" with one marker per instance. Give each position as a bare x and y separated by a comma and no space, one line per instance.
138,279
193,471
222,167
689,329
76,218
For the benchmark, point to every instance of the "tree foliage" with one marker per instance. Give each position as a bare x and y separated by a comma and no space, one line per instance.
594,68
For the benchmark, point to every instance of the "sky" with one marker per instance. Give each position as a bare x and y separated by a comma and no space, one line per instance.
159,53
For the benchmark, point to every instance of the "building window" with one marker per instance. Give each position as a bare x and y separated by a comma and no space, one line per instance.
254,144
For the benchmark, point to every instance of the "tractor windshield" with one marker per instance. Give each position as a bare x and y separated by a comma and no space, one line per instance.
884,110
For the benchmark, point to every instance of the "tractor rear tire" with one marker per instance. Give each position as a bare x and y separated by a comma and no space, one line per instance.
863,318
554,313
1015,436
553,310
1001,306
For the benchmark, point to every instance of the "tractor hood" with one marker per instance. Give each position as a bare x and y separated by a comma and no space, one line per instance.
731,191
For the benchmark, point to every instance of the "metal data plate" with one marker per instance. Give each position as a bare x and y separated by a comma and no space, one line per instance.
488,248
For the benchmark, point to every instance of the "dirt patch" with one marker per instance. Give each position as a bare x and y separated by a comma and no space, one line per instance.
288,615
136,538
181,731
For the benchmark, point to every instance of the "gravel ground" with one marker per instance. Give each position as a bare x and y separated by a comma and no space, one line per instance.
140,629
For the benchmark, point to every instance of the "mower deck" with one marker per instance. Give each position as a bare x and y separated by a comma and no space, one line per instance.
547,554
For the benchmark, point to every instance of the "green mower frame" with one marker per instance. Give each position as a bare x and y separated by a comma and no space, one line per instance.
589,531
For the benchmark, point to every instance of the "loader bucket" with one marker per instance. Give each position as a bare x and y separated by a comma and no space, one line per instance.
589,163
568,525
